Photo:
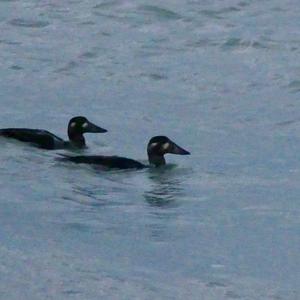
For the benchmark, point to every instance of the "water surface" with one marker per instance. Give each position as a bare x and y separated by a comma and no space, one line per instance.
219,78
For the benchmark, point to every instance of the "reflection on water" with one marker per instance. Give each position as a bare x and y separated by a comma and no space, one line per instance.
165,196
94,186
165,189
88,197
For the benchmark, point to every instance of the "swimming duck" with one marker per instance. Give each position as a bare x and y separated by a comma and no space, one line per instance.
46,140
157,147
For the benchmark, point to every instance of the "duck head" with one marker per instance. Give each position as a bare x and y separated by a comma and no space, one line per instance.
158,146
80,125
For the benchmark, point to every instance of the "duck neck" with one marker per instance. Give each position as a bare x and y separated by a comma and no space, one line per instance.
156,160
76,139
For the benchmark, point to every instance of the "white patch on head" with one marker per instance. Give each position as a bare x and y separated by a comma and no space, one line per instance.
152,145
85,125
166,146
73,124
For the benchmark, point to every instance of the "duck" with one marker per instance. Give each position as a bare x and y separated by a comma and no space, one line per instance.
44,139
157,147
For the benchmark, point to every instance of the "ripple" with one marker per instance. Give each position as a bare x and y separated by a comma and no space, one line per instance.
106,4
159,12
77,226
216,284
237,43
71,292
294,86
155,76
287,123
244,4
217,14
12,43
68,68
88,23
161,201
29,23
203,43
16,68
88,54
232,295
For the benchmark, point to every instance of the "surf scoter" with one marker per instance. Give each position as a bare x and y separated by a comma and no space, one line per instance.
46,140
157,147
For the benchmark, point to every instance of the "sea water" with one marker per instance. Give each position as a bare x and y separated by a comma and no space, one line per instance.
222,80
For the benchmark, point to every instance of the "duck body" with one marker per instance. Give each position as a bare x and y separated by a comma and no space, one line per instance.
112,162
46,140
157,147
37,137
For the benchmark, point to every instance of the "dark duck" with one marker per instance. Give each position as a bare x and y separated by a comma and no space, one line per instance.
46,140
157,147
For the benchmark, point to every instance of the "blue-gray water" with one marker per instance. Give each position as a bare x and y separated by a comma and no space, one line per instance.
220,78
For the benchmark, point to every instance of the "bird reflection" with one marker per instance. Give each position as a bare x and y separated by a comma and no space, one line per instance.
166,189
164,197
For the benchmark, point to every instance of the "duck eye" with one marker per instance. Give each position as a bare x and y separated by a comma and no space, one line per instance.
166,146
85,125
73,124
152,145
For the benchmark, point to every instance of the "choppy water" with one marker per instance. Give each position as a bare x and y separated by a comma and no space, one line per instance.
222,79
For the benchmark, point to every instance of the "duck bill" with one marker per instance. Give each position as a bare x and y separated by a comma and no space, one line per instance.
94,128
175,149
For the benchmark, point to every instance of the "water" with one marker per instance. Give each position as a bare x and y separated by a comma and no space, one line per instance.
220,78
